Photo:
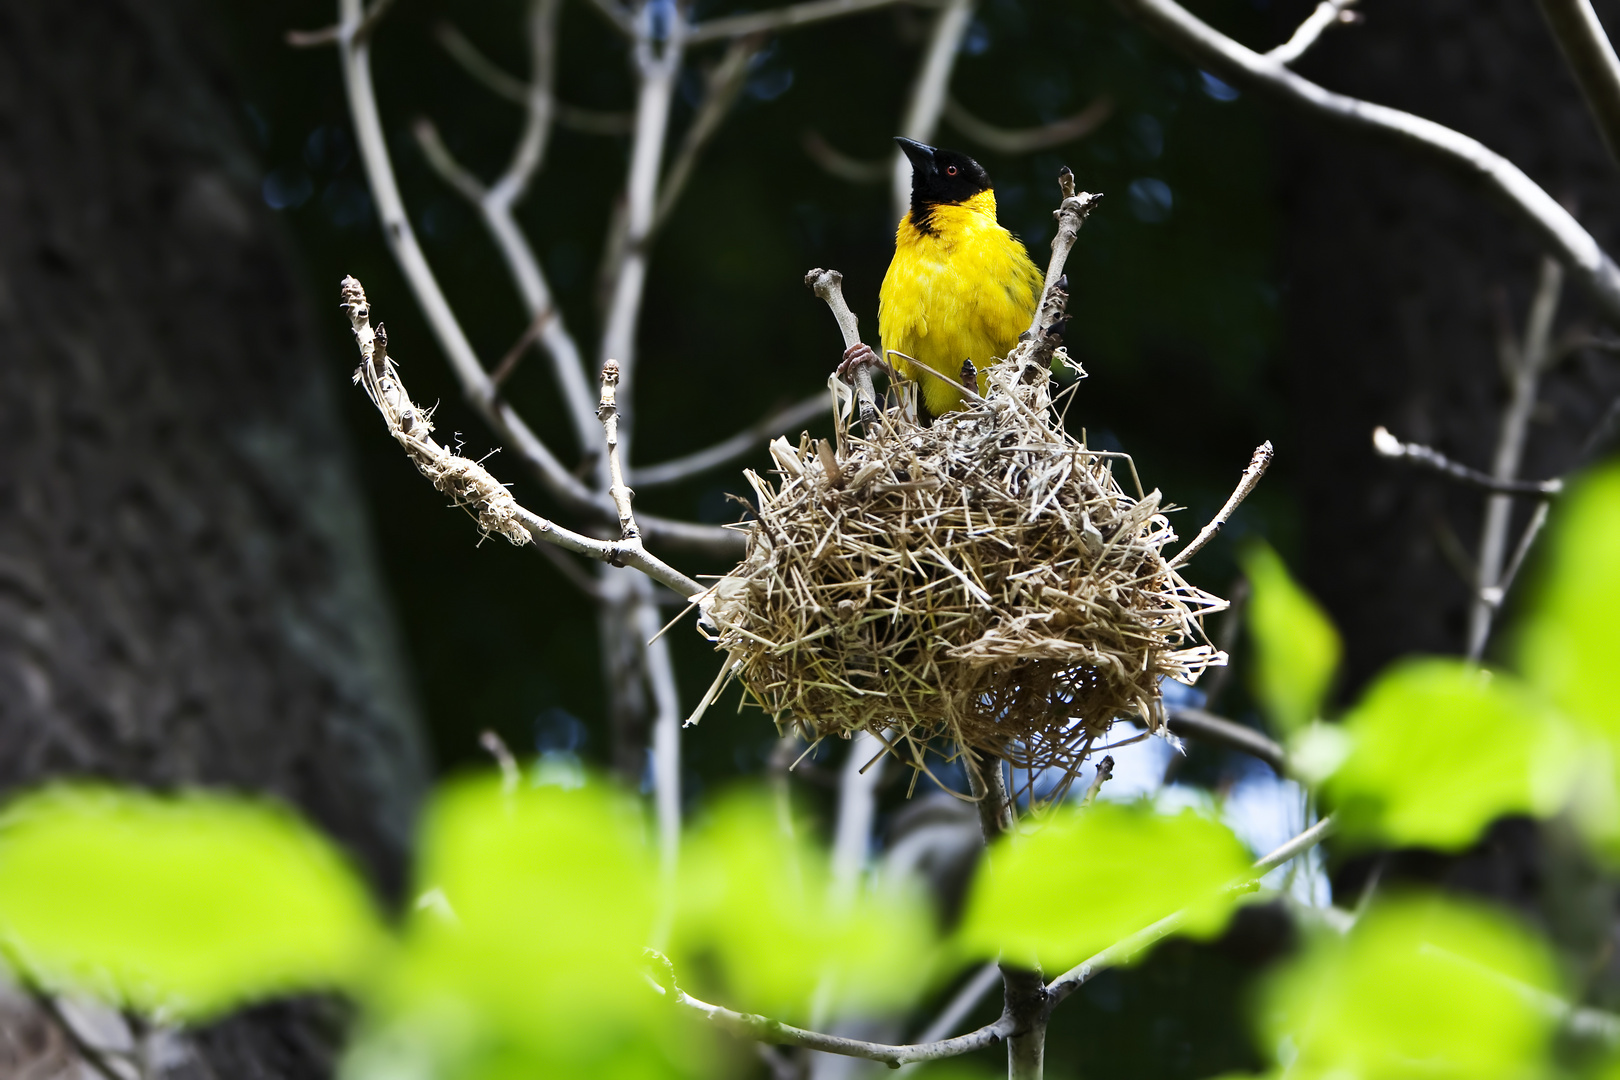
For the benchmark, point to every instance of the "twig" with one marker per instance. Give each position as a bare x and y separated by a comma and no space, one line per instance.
467,482
93,1055
1082,973
1538,517
794,15
1591,60
1523,385
724,83
829,285
1070,214
835,162
965,1001
1027,140
1105,770
499,82
608,412
1389,446
617,16
1328,13
357,31
1207,727
928,93
689,465
666,739
1251,477
496,747
1214,51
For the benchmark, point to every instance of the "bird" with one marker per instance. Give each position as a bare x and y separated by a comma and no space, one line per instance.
960,286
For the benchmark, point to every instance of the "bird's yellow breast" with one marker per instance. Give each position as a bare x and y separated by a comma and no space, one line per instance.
962,288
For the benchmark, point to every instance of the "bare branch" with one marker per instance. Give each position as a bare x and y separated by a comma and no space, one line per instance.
443,162
1071,214
1207,727
724,83
530,151
1251,477
721,453
835,162
608,413
1591,60
928,94
495,79
1328,14
617,15
1532,529
1026,140
355,31
1389,446
829,285
467,483
1105,771
1210,49
788,18
666,727
1082,973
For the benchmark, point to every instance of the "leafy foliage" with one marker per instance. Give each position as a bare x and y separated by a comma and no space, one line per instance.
1087,878
177,906
1296,647
1418,988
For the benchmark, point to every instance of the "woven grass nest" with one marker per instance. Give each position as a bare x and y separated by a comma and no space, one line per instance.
984,582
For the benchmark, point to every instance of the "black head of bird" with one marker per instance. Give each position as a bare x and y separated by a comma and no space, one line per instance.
941,177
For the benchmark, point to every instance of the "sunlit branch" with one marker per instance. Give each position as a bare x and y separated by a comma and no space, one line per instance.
1389,446
1214,51
1246,484
689,465
1025,140
787,18
1591,60
1328,14
495,79
1207,727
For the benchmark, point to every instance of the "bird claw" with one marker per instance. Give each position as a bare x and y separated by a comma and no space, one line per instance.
855,356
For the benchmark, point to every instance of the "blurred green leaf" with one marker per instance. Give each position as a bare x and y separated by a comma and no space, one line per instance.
759,903
183,906
1088,878
1569,645
1296,647
524,956
1428,988
1438,750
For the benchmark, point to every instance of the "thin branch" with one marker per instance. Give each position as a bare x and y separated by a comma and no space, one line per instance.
1527,539
1214,51
689,465
1523,388
608,413
966,1000
469,484
1082,973
1071,214
617,15
829,286
1207,727
357,31
1027,140
788,18
666,748
443,162
1105,770
1328,14
1591,60
495,79
928,93
530,152
1251,477
1389,446
724,83
92,1054
834,162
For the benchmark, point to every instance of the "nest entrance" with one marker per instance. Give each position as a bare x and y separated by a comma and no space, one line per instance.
985,580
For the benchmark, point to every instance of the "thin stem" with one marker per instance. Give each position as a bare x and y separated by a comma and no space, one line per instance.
499,82
1027,140
788,18
1328,14
689,465
1258,464
1389,446
1071,214
725,82
1207,727
1215,52
1591,59
607,411
829,285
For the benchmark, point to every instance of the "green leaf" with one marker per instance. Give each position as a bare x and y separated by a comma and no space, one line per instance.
525,953
1088,878
1426,988
1296,647
183,906
759,903
1439,750
1568,647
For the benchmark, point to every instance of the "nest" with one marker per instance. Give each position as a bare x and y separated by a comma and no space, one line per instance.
984,582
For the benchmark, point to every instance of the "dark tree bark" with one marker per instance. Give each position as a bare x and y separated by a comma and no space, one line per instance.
187,595
1396,279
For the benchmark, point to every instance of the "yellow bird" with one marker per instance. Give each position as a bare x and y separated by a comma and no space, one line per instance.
960,287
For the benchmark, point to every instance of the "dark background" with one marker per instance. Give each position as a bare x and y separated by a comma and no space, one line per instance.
214,565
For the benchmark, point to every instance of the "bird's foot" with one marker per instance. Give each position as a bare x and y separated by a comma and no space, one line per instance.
858,355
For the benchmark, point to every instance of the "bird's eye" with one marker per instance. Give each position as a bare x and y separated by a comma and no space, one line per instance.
950,170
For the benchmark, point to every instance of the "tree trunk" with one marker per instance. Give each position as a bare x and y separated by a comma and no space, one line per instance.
186,590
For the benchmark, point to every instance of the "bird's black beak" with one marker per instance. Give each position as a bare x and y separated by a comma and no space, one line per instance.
921,155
